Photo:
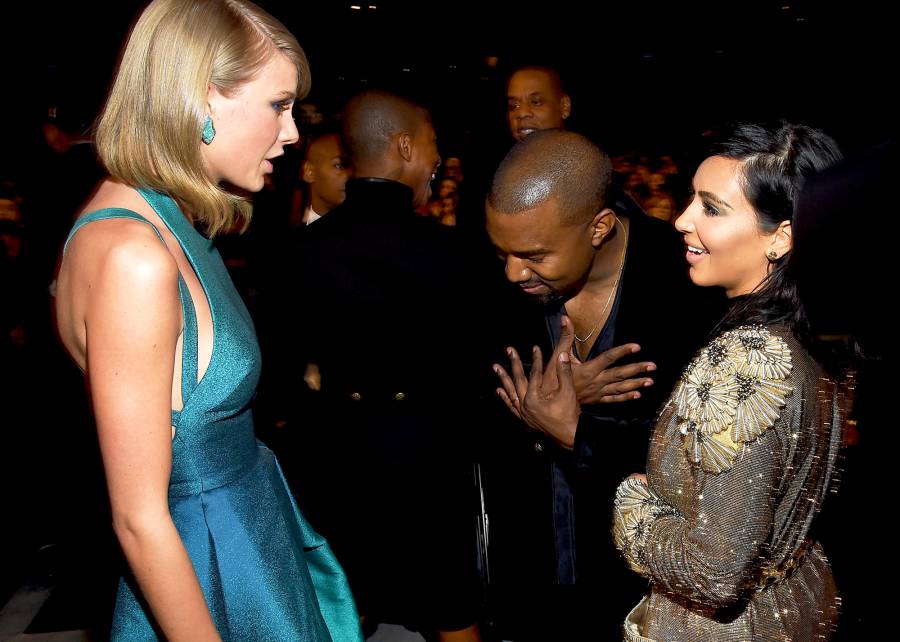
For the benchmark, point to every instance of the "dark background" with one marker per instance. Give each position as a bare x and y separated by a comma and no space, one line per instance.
647,75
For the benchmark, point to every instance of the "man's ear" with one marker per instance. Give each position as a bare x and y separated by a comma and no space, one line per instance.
565,105
603,223
308,173
405,146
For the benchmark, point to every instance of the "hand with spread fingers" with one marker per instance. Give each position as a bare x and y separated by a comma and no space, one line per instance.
596,381
546,401
593,381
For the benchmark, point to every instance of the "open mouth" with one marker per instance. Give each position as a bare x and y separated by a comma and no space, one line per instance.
694,254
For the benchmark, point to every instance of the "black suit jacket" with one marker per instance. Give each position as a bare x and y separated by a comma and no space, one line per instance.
387,295
386,316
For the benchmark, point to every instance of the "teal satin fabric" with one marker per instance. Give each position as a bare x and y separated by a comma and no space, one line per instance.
265,573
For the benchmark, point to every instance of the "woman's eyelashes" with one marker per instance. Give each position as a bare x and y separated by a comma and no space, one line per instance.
282,106
709,209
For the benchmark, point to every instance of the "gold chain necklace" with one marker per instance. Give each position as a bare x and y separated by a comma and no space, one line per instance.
614,287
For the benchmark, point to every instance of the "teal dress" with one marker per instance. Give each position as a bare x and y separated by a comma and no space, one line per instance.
265,573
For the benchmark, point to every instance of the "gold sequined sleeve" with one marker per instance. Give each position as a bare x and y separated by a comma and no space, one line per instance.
715,556
635,511
703,534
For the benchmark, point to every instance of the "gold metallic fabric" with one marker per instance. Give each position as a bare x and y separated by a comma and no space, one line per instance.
740,460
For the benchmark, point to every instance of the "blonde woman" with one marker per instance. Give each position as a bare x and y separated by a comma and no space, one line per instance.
217,549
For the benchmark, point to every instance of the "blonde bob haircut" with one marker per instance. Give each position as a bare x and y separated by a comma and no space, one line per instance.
148,134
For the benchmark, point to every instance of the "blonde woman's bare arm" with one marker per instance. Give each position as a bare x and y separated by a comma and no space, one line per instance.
132,322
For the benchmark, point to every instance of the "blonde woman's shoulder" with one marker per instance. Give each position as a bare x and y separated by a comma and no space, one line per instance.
111,193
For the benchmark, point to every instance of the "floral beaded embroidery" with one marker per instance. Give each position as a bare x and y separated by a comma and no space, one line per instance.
635,510
730,394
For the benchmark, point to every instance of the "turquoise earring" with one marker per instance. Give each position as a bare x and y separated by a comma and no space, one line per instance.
209,132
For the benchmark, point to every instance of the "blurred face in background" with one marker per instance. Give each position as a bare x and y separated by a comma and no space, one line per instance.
448,188
534,101
309,114
326,168
453,169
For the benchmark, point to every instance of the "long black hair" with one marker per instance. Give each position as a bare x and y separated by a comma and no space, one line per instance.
775,161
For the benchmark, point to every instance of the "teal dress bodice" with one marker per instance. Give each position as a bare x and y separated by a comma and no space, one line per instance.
265,573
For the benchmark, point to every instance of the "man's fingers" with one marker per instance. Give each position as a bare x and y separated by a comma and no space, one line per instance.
564,344
626,385
564,374
628,396
507,383
518,372
513,407
627,390
631,371
537,369
566,336
605,359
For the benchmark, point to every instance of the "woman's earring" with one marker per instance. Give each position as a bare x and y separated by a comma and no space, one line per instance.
209,132
772,255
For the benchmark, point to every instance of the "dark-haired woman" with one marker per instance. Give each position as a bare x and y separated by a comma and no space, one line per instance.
744,450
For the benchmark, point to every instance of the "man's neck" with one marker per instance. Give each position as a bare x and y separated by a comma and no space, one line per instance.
609,258
319,206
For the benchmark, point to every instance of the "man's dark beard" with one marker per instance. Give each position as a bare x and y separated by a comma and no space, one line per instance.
551,298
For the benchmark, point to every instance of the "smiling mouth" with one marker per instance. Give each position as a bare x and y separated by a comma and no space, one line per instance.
697,251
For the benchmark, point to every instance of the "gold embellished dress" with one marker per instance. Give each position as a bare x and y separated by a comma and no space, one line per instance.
740,460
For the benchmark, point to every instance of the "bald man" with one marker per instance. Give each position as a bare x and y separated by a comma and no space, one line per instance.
386,293
618,303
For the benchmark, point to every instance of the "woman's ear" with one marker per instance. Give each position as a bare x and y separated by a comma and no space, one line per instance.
213,97
782,240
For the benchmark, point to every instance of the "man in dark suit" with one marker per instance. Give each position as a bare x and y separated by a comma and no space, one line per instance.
614,290
387,294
